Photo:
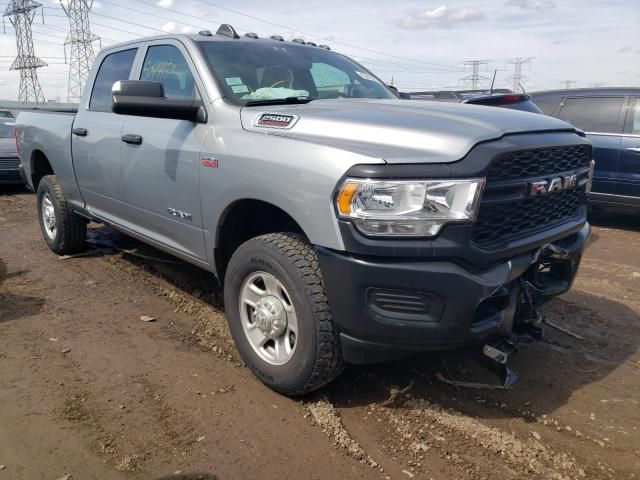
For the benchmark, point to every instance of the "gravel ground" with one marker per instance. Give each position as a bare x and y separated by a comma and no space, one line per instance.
89,390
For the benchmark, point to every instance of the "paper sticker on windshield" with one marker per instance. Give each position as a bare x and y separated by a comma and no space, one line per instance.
239,88
233,81
366,76
275,120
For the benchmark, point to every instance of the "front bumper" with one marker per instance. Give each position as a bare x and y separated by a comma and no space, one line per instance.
384,306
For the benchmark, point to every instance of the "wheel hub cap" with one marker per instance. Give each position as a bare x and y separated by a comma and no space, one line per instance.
48,216
270,317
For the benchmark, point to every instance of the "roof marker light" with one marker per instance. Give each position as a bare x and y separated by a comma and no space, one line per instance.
277,38
227,30
205,33
325,47
299,40
251,35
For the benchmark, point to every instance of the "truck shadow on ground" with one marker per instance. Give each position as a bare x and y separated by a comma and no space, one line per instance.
15,307
550,371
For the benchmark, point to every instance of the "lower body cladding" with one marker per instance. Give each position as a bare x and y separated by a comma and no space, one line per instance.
385,308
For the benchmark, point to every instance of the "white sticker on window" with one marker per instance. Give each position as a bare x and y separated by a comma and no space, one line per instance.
233,81
239,88
366,76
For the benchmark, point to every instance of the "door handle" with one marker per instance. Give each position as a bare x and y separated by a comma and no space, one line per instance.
80,132
132,139
634,149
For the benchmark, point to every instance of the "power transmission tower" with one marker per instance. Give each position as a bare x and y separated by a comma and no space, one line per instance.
21,13
518,78
568,83
80,40
475,77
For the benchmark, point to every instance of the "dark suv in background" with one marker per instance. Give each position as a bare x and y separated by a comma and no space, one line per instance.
611,119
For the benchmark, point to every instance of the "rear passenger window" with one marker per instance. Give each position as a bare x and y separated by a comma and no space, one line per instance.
547,105
114,67
635,118
166,64
594,114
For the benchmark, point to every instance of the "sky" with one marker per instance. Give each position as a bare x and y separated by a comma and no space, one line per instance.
419,45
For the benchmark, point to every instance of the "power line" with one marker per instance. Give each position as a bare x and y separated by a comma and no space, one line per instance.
21,13
331,40
80,41
518,78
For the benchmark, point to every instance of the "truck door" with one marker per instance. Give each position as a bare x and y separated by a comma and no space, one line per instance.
96,137
628,187
601,118
160,168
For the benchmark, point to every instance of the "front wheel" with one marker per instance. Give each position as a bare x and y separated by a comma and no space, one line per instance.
63,230
279,316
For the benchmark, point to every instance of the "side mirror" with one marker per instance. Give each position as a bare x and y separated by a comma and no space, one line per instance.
146,99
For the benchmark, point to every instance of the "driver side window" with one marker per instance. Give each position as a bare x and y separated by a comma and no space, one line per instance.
166,64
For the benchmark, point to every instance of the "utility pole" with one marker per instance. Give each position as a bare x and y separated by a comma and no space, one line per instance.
80,40
568,84
21,13
475,77
517,78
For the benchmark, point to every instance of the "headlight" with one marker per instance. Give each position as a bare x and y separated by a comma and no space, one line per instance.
408,207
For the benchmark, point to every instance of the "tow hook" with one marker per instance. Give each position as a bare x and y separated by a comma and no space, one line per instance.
496,354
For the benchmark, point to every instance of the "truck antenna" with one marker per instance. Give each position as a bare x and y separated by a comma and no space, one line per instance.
493,81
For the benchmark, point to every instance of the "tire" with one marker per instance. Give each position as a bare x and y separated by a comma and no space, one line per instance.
314,357
65,232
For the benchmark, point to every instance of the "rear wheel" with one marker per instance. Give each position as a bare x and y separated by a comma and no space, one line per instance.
63,230
279,316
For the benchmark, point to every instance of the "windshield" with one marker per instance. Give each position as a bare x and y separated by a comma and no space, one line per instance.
257,71
6,129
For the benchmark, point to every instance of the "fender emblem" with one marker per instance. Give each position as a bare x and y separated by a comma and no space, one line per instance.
209,162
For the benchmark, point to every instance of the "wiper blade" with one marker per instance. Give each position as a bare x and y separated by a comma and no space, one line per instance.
279,101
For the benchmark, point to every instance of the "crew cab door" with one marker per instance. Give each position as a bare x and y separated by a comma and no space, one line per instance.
601,118
96,136
161,158
628,187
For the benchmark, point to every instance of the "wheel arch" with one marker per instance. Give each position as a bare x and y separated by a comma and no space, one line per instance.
40,166
245,219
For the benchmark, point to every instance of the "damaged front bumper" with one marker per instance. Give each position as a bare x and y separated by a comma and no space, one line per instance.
385,307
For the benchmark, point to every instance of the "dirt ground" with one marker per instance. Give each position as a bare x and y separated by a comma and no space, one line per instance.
89,391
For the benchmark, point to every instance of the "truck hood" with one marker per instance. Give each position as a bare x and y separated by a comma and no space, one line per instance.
8,148
400,131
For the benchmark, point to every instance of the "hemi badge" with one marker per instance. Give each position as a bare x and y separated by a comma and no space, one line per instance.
209,162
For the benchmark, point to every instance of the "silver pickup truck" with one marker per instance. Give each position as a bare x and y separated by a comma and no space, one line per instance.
345,224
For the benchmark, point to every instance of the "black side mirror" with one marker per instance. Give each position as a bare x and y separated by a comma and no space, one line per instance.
147,99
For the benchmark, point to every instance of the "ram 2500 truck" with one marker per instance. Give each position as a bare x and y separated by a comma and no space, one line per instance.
345,225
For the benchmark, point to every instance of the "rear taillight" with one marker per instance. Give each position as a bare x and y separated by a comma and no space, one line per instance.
513,98
15,136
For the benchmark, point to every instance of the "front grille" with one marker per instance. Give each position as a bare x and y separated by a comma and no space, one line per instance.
499,222
506,213
540,162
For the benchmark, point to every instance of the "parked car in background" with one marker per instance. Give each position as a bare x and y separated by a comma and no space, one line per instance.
611,119
9,159
503,98
6,114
